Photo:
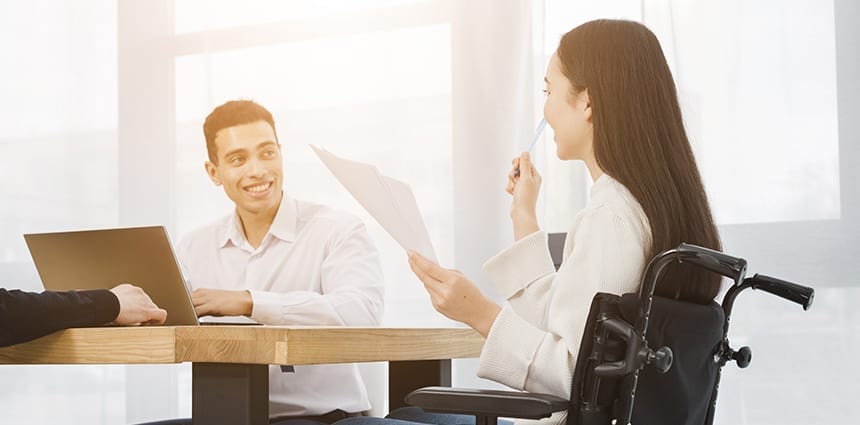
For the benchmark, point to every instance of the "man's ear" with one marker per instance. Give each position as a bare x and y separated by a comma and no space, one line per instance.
212,172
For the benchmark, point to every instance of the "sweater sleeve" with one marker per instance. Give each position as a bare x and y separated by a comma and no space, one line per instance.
534,349
524,274
25,315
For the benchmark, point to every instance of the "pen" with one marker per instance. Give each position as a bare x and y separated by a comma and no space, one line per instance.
538,132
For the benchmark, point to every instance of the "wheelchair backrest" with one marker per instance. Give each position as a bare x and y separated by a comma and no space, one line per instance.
681,396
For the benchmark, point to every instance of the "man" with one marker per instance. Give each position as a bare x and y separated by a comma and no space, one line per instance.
25,316
281,262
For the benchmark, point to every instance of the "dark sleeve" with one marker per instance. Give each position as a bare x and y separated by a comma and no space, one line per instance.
27,315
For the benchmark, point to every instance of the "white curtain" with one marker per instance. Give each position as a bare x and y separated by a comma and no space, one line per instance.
759,89
58,132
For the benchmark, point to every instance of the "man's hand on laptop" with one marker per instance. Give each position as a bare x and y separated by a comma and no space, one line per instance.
135,306
220,302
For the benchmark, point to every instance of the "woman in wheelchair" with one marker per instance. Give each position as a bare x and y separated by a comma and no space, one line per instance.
612,103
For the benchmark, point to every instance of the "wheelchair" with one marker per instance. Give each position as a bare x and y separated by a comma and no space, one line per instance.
619,378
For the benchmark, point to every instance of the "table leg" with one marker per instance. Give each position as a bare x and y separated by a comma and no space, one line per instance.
234,394
406,376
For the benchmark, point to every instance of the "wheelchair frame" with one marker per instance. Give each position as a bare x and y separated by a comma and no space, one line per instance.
731,267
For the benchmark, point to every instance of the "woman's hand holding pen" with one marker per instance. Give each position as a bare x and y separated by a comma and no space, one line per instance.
454,295
524,184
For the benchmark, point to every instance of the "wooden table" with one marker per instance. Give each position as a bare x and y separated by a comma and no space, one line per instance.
230,363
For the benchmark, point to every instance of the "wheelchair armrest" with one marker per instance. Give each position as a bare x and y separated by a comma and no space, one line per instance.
492,403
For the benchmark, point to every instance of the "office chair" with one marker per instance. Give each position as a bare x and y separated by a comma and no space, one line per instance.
618,376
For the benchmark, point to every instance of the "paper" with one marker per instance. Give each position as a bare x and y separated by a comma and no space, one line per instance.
388,200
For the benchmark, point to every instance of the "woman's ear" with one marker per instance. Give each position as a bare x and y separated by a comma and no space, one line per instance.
586,105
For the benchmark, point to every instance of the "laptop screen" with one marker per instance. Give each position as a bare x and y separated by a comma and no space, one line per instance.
102,259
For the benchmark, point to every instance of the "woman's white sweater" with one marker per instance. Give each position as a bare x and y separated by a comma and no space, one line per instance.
533,343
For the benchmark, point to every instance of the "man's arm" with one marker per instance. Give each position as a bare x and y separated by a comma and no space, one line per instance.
352,287
351,281
25,316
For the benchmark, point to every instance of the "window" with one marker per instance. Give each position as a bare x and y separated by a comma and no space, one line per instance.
379,95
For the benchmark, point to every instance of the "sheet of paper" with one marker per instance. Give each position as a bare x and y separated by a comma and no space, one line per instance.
390,201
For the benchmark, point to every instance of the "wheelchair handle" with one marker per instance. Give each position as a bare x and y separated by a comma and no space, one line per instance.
799,294
637,354
732,267
624,331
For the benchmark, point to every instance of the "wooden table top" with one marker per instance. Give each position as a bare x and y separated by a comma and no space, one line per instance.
284,345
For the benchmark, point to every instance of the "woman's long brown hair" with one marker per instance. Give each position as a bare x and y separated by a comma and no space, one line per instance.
639,140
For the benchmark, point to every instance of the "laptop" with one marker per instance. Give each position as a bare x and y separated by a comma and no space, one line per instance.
102,259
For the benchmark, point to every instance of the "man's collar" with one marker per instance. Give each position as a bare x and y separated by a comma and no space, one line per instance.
232,231
283,225
285,222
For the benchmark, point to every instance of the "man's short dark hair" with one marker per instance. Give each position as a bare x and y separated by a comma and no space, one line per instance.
231,114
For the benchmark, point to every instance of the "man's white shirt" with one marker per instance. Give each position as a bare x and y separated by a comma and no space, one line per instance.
315,266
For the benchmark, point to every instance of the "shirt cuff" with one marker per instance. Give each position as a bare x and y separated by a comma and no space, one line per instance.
509,350
266,306
524,262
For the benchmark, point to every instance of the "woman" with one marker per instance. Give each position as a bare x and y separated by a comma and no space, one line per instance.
612,104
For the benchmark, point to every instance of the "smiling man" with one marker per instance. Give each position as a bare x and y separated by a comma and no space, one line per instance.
282,262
